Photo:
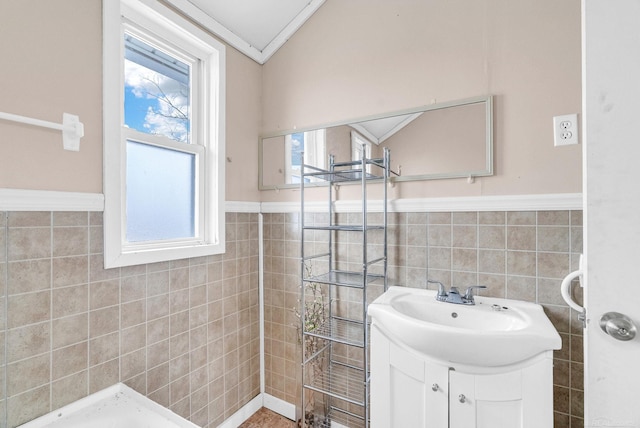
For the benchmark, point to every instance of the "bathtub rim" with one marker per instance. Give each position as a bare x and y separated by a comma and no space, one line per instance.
109,393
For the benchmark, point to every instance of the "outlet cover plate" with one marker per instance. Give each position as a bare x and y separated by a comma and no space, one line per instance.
565,130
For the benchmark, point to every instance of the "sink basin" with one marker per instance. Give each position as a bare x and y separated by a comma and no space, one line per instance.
493,332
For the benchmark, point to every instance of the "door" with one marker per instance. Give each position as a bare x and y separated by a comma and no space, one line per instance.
611,120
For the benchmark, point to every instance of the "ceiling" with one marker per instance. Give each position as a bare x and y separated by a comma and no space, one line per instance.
257,28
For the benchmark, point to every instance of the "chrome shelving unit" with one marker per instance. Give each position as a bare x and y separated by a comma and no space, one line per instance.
333,303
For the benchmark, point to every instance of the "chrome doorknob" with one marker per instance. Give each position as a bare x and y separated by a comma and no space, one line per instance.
435,387
462,398
618,326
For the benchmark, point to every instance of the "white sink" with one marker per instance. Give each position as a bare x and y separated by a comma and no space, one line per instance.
493,332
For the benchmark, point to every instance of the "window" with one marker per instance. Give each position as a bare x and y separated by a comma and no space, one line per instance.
312,145
163,136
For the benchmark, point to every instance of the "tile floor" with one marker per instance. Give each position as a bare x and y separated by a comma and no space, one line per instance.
265,418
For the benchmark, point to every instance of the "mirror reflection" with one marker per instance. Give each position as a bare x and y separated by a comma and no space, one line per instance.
437,141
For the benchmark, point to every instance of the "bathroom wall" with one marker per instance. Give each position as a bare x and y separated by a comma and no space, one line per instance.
54,49
185,333
73,327
363,57
517,254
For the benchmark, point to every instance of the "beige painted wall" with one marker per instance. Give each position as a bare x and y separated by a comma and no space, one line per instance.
363,57
442,141
51,63
51,53
350,60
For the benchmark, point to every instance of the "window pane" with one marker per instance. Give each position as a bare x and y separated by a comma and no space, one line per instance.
160,193
156,91
297,148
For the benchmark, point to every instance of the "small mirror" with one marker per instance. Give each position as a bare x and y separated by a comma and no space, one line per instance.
448,140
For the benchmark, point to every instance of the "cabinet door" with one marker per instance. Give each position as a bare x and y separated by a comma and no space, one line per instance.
406,391
380,391
437,396
419,391
407,388
486,401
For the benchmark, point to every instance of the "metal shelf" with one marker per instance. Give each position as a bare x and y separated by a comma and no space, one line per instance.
336,352
340,330
342,417
346,171
345,228
342,176
337,380
346,279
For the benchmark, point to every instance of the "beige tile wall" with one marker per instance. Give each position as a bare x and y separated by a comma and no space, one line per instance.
518,255
185,333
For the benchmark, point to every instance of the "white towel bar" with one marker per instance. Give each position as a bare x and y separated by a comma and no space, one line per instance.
71,127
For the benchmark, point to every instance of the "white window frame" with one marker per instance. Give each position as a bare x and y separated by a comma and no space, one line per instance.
207,142
360,145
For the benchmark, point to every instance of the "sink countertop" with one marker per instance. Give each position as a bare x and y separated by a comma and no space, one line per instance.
493,332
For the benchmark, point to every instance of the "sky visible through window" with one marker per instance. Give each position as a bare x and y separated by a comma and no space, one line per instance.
157,92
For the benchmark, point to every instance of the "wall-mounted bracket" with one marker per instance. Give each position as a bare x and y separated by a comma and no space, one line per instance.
72,131
71,127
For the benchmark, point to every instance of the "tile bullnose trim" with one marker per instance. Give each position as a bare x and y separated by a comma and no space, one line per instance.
48,200
242,207
541,202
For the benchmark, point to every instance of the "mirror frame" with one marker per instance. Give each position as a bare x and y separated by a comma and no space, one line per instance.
487,171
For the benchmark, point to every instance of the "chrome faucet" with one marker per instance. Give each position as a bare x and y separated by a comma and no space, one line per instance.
442,292
468,295
454,296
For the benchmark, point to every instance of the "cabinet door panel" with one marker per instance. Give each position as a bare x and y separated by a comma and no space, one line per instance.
437,399
462,400
380,384
407,389
499,387
407,400
489,401
419,391
492,414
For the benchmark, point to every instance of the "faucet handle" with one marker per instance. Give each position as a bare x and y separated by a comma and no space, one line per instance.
469,293
442,292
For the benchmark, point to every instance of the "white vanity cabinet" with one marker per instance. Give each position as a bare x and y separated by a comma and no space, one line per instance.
408,389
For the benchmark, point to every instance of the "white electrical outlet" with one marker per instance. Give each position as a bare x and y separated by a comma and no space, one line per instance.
565,130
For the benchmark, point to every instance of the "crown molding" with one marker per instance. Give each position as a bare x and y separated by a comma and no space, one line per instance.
237,42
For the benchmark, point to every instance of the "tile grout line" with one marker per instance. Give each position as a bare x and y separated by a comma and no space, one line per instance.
51,311
88,388
5,401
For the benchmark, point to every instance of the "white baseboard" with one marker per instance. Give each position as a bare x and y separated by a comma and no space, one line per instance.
287,409
245,412
272,403
279,406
